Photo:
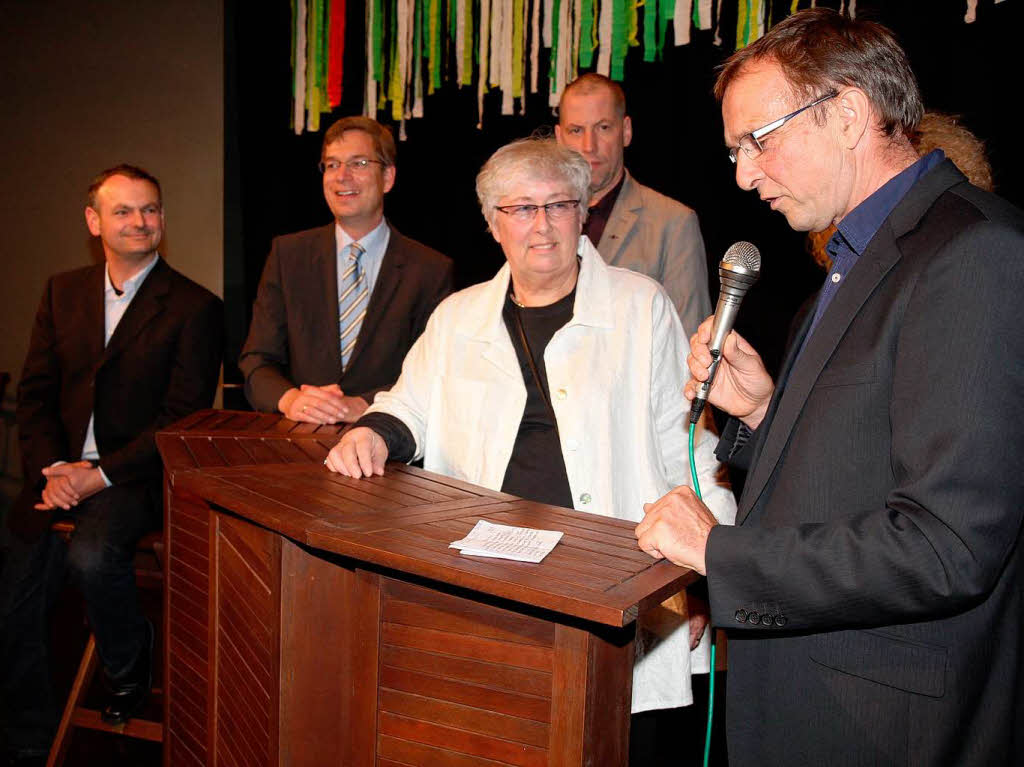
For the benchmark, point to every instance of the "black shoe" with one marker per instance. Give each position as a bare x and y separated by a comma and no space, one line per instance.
128,694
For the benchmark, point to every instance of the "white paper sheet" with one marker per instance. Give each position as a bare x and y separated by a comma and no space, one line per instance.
523,544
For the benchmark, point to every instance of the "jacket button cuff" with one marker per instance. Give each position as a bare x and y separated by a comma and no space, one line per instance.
741,616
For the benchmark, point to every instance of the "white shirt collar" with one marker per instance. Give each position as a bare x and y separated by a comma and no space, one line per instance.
131,285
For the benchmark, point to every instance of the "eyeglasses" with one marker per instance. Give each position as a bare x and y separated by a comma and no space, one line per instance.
356,165
553,211
750,143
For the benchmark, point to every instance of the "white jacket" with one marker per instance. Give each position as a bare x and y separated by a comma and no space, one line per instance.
615,373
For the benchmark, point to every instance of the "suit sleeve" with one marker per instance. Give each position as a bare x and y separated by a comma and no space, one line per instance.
195,368
939,540
265,356
41,434
686,270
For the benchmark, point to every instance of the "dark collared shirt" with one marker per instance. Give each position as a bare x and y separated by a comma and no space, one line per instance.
597,216
858,228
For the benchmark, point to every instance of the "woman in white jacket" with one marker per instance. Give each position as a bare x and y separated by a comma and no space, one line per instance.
560,381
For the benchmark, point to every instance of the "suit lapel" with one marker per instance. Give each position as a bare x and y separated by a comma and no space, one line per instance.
388,278
623,218
145,306
325,265
90,315
796,383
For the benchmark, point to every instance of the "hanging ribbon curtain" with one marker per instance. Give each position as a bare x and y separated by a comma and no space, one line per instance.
413,46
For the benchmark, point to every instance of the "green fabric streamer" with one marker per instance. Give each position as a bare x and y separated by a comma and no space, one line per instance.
553,60
588,12
743,25
434,61
396,88
619,44
632,22
378,41
518,43
695,16
323,46
650,30
666,12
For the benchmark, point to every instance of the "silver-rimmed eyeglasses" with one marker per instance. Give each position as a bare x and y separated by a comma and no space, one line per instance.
750,143
355,165
553,211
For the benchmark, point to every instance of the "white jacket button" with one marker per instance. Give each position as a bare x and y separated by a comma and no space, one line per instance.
584,498
561,394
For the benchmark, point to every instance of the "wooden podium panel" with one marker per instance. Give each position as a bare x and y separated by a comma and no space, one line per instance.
314,619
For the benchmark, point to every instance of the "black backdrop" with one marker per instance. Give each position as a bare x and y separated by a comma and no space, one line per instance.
272,185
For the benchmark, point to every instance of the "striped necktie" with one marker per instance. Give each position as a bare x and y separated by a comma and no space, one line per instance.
352,302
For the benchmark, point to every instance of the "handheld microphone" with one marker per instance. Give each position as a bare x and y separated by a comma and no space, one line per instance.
739,269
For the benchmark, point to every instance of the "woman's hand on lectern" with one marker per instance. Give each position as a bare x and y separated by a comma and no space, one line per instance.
360,453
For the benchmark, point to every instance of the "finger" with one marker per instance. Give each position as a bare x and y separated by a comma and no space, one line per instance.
364,453
327,398
379,455
690,390
56,496
350,460
703,334
60,470
314,411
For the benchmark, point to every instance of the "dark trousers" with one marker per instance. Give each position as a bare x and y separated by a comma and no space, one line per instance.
99,560
674,737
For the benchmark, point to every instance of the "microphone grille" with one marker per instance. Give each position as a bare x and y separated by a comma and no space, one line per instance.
743,254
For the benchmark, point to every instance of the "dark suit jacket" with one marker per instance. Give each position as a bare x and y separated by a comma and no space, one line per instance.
880,527
293,338
161,364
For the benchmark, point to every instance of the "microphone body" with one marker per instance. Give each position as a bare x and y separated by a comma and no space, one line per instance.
738,270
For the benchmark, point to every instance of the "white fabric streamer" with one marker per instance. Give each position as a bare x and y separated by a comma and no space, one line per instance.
562,64
485,37
574,54
497,9
705,14
972,11
853,9
299,107
460,40
604,36
549,12
681,21
507,14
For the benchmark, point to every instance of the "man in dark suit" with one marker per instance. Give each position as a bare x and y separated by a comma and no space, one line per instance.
630,224
118,350
339,306
873,583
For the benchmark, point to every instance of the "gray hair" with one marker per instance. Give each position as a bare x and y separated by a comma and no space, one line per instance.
539,159
819,51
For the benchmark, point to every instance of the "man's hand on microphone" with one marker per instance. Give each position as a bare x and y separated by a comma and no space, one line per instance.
676,527
742,386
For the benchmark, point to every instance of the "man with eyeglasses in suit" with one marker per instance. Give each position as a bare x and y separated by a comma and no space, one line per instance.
339,306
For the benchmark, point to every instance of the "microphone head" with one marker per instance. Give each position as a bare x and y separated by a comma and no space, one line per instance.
745,255
739,269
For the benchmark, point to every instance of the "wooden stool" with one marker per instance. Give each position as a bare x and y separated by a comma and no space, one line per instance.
148,575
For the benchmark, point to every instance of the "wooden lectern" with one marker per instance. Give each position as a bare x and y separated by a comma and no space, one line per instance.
313,619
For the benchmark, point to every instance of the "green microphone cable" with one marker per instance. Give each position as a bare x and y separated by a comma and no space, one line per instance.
711,678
